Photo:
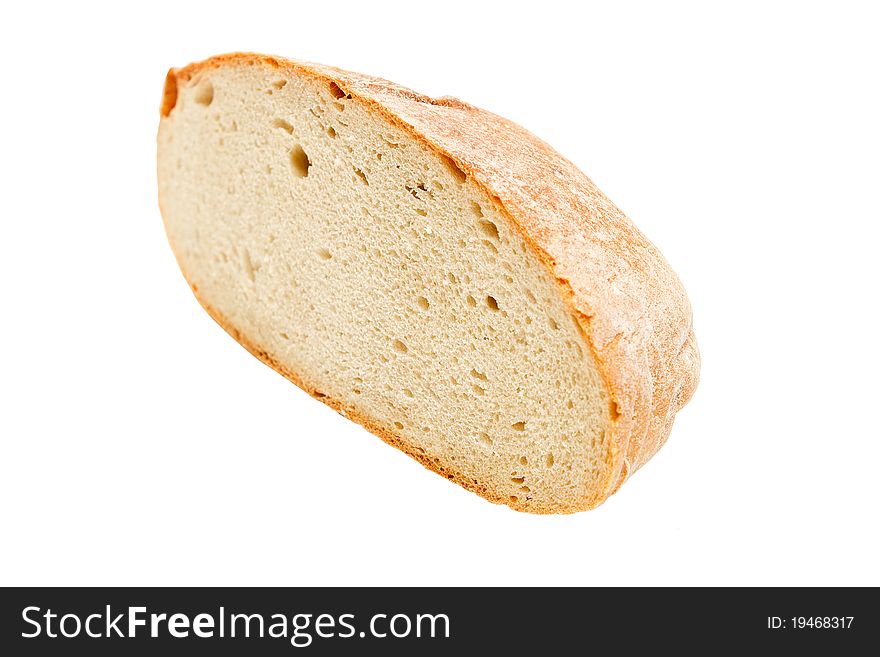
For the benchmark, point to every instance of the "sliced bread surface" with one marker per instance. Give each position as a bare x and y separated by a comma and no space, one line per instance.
428,269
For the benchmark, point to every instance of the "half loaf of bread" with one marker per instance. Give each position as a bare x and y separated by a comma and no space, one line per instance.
428,269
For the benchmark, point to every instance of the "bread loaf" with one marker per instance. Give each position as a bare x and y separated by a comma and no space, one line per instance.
428,269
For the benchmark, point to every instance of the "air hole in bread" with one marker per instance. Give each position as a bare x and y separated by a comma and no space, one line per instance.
324,254
491,302
549,460
408,392
362,176
398,425
479,375
615,411
489,229
489,245
519,426
336,91
331,132
554,324
471,301
485,438
299,162
523,460
204,93
424,304
279,84
517,480
400,346
284,125
479,390
421,213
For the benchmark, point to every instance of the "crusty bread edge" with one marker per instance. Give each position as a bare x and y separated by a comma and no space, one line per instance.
621,459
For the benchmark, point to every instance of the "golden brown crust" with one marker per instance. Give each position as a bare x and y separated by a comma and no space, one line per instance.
169,95
630,304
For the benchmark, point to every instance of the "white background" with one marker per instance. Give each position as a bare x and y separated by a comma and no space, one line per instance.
142,445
